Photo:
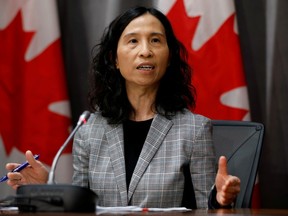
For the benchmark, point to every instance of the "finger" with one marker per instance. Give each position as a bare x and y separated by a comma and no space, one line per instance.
226,198
11,166
222,166
231,188
14,176
232,181
31,160
15,183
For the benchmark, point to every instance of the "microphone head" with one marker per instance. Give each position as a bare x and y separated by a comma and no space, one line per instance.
83,117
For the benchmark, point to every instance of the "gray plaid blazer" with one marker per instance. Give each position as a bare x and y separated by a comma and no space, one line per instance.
158,180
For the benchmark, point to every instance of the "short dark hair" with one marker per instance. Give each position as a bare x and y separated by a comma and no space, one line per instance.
107,87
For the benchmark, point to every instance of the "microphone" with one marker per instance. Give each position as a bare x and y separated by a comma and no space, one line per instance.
52,197
82,120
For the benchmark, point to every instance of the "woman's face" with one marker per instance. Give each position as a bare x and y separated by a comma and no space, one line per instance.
142,52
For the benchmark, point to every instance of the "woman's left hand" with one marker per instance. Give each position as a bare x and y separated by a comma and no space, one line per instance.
227,186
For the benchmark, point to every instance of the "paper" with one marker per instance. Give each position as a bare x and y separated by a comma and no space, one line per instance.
125,209
8,209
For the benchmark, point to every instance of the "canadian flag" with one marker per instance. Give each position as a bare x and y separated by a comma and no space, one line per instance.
35,112
208,29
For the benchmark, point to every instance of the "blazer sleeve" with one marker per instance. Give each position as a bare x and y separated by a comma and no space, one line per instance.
202,166
80,158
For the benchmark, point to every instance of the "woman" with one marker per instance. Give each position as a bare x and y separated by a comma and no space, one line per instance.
142,140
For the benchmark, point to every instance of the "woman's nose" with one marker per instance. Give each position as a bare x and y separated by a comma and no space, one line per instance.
145,50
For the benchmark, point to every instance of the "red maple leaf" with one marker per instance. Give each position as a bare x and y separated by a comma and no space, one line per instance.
217,65
26,91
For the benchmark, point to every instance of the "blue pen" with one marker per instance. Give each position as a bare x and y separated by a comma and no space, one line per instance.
18,169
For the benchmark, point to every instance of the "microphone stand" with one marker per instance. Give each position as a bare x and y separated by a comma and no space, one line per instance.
52,197
82,120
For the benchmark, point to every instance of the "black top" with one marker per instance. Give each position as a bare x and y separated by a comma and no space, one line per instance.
135,133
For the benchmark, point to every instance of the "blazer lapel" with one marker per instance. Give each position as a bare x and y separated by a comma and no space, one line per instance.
158,130
115,139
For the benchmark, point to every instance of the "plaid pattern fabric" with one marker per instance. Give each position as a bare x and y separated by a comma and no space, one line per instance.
158,179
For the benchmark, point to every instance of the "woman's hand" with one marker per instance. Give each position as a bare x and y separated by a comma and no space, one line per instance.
34,173
227,186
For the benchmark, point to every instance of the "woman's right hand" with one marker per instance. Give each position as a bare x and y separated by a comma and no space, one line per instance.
34,173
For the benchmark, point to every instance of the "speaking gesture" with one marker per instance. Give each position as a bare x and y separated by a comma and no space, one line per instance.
35,173
227,186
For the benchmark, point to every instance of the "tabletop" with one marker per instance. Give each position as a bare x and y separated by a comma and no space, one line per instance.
225,212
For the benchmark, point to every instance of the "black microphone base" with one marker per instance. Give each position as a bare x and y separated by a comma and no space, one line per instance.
55,198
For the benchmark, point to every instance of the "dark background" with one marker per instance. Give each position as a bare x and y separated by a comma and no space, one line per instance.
263,32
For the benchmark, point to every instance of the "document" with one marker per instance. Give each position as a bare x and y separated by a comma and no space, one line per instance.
125,209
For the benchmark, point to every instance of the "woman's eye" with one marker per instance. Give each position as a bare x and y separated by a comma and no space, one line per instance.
155,40
133,41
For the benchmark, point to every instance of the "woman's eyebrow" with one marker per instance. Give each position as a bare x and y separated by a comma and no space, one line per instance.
129,34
